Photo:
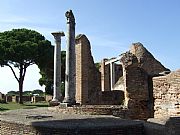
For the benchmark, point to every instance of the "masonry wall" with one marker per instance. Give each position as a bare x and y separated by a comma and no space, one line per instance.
115,97
166,91
88,78
146,60
136,87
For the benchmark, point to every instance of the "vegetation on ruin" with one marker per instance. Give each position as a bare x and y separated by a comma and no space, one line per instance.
27,105
20,48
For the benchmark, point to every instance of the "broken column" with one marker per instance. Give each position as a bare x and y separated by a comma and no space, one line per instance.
57,66
70,60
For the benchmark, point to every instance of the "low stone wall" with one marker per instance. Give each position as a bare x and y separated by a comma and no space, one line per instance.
8,98
163,126
169,126
93,110
39,129
115,110
35,99
166,91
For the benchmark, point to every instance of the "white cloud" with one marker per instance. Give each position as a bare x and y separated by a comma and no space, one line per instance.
14,19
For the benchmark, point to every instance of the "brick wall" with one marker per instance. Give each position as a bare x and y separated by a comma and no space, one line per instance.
115,97
136,87
88,83
166,91
146,60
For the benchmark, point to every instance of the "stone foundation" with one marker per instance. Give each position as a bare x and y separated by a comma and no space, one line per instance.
41,121
39,129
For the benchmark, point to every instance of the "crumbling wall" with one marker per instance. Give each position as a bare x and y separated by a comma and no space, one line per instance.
152,67
115,97
146,60
88,82
166,92
136,87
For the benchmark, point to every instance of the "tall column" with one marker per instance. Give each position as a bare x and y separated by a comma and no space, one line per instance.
112,74
57,66
70,72
103,74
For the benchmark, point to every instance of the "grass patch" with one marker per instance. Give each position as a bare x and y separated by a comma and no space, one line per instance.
27,105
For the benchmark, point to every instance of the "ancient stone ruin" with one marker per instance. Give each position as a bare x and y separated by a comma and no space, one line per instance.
134,81
125,80
133,85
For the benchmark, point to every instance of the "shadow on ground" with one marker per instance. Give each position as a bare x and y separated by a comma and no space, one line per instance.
89,126
3,109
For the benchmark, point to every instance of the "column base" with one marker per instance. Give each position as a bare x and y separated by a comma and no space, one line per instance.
69,102
54,102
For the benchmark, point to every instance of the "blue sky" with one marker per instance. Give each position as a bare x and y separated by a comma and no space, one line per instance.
111,27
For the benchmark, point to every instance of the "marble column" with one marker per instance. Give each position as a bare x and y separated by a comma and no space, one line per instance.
57,66
103,74
112,74
70,72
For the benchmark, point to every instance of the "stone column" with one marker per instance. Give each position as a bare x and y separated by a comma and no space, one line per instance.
103,74
112,74
57,66
70,72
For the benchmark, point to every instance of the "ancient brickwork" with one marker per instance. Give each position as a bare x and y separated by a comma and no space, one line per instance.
88,82
146,60
115,97
136,87
166,92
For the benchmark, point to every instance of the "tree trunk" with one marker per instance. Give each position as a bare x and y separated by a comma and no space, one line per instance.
20,91
22,72
21,80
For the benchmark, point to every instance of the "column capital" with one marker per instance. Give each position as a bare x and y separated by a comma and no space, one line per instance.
70,17
58,35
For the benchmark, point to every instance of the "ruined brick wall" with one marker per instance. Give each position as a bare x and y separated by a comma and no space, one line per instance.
115,97
136,87
166,92
146,60
88,78
8,98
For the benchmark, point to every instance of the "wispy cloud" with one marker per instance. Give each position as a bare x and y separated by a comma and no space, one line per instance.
107,42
